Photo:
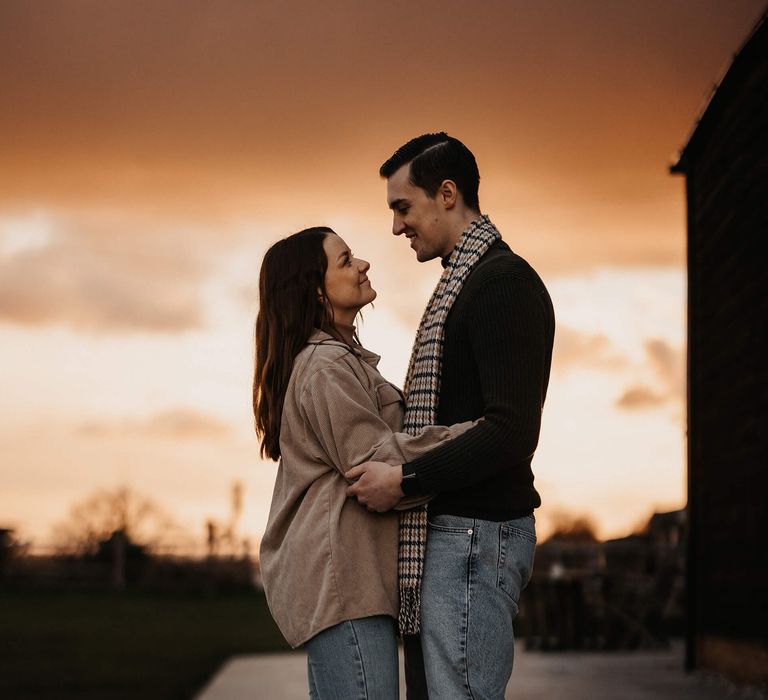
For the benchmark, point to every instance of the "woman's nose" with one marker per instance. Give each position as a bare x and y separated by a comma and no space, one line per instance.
364,265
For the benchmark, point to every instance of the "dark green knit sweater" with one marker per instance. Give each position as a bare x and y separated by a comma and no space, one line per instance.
496,361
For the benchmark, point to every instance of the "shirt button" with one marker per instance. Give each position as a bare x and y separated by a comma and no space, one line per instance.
469,532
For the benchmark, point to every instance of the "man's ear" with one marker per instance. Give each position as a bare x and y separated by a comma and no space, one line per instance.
448,193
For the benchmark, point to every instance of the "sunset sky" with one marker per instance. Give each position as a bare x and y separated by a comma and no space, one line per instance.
150,152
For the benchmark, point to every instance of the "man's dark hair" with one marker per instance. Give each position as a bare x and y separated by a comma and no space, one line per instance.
434,158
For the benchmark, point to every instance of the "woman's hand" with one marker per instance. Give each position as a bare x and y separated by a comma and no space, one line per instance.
377,486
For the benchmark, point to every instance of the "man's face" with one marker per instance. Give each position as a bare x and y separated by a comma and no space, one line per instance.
419,217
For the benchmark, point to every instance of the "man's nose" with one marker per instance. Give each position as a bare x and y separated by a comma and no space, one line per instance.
398,226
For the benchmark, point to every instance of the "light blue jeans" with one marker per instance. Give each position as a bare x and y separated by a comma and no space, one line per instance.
473,574
354,660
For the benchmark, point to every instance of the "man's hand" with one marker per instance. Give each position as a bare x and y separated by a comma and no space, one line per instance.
377,486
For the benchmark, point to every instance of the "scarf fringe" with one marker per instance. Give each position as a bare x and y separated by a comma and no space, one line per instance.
410,611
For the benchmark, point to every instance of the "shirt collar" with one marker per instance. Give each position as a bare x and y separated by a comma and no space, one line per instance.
319,337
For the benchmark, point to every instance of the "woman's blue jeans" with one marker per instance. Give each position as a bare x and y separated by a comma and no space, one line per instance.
354,660
473,574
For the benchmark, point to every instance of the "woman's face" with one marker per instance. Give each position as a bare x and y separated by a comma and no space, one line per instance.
346,284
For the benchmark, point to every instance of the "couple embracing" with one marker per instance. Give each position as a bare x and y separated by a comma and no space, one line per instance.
403,512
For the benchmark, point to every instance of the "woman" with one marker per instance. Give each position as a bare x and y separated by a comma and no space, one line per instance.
329,566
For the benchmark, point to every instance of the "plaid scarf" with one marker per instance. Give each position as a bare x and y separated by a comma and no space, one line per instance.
422,389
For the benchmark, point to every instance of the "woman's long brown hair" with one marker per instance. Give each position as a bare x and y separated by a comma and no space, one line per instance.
291,305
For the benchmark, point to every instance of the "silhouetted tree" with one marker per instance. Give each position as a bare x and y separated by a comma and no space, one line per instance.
10,548
94,521
573,528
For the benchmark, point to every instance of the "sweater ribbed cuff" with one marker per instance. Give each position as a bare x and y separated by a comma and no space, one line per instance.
410,484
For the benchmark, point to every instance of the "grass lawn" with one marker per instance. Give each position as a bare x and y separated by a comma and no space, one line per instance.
107,646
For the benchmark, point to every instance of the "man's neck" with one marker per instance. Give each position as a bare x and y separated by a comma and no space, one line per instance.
461,223
467,218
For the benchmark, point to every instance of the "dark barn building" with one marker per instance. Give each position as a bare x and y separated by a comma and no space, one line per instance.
725,164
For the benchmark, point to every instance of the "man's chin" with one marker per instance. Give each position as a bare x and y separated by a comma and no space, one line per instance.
424,256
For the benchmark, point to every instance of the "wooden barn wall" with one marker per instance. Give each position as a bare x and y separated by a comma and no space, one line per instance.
727,184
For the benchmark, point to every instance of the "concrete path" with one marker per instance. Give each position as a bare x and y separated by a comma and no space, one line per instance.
537,676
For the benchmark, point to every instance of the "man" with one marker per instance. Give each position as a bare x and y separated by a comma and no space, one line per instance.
483,354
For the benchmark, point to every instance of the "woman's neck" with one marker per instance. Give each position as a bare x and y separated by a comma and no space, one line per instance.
346,331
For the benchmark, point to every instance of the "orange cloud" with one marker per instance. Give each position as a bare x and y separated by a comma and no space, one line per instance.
102,277
575,348
178,423
668,366
641,398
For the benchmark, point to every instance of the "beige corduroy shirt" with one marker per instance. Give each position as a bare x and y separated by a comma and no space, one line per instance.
325,558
